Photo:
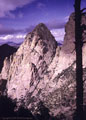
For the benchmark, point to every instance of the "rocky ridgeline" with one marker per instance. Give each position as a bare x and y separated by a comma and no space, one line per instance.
40,70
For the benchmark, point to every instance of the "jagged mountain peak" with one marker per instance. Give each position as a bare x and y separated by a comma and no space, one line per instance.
41,36
43,32
41,41
41,27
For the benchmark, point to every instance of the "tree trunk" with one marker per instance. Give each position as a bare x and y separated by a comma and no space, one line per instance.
79,69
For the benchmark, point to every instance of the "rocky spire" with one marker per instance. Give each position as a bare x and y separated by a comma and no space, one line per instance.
30,63
42,41
69,38
43,31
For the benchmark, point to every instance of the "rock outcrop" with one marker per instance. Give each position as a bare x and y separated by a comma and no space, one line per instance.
69,39
40,70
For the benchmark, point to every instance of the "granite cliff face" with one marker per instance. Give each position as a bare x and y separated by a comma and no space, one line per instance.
40,70
69,39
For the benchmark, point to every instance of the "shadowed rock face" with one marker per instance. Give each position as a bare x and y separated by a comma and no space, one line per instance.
5,51
40,70
69,39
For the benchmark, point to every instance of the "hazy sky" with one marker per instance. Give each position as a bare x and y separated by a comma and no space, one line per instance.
18,17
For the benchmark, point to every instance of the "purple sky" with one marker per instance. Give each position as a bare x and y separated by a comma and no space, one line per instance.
18,17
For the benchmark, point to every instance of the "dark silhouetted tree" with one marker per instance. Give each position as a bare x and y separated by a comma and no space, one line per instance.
79,67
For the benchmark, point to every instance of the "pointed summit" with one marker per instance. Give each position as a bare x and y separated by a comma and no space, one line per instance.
42,30
41,27
41,40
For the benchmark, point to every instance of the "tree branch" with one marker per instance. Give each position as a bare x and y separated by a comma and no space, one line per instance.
83,10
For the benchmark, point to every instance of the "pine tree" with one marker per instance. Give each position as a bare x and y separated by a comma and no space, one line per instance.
79,66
